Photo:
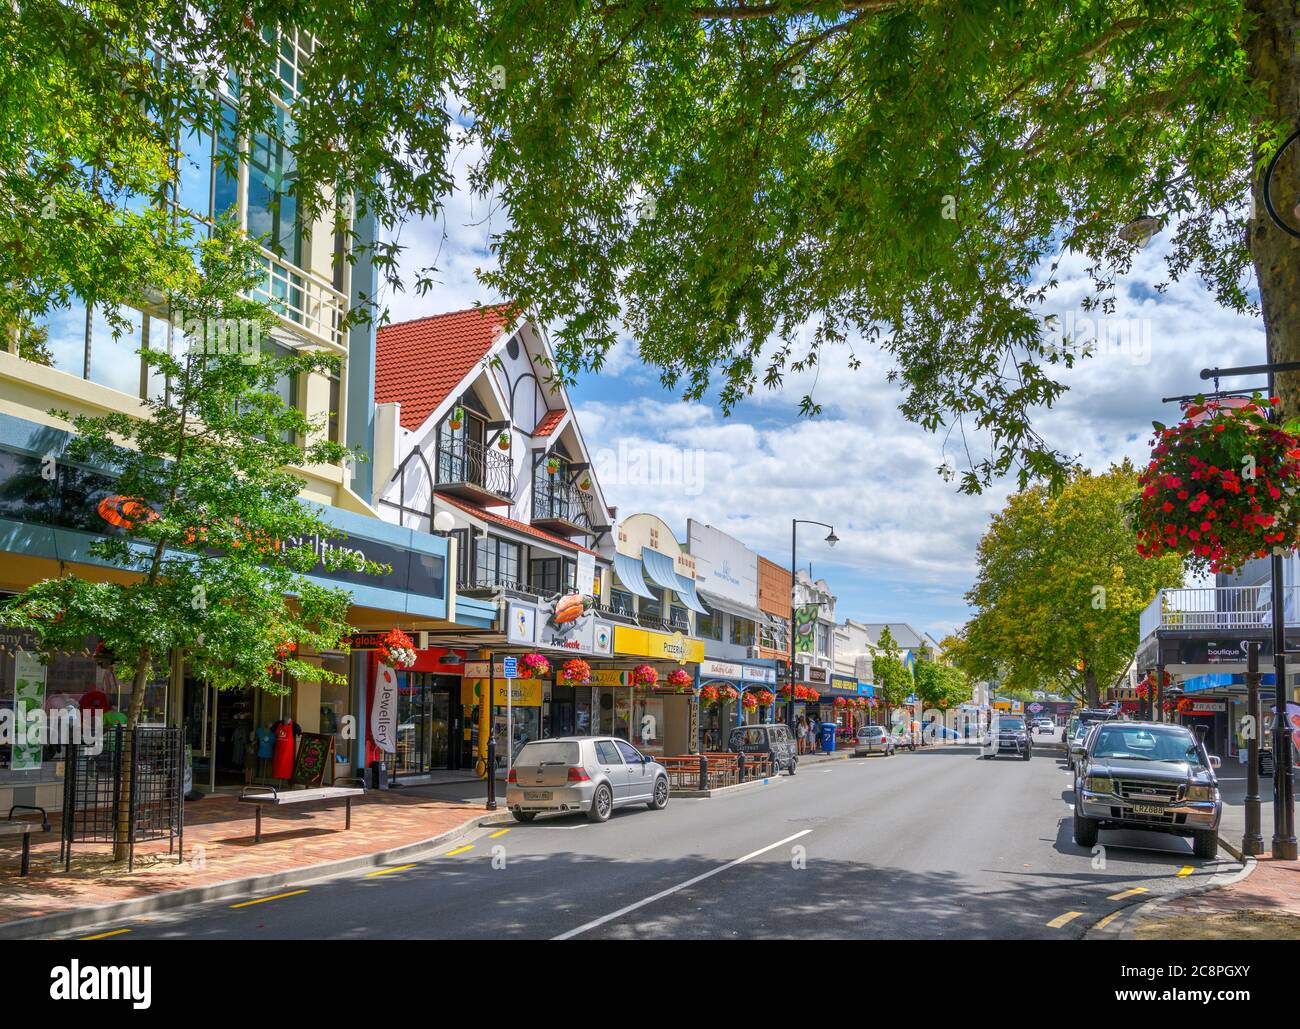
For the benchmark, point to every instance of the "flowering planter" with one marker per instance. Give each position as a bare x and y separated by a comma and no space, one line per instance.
1220,487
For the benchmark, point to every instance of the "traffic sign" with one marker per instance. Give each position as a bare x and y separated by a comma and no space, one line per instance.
510,668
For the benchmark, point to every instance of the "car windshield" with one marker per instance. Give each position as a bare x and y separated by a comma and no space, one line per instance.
1143,743
1011,724
547,752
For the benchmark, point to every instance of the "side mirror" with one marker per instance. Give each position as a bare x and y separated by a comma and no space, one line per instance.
1214,761
1079,751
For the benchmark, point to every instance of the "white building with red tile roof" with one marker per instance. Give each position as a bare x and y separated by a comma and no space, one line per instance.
470,423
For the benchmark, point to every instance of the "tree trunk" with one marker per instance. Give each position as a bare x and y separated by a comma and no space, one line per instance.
1274,63
1090,687
121,845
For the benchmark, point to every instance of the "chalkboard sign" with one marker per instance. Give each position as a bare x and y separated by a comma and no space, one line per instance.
314,753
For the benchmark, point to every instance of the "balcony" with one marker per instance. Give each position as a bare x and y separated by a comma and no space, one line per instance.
1216,609
474,472
562,508
305,303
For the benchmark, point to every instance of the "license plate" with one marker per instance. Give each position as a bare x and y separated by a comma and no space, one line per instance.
1148,809
537,795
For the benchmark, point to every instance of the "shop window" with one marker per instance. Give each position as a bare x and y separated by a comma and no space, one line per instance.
652,607
496,562
622,601
544,574
709,626
742,631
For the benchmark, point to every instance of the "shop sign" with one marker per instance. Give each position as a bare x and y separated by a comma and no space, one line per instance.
711,669
754,673
383,712
724,566
609,677
29,702
521,692
564,624
865,689
814,674
805,629
645,643
1207,707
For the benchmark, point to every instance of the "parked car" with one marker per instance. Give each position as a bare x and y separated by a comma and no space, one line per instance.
1076,740
772,739
1151,776
591,774
874,739
1009,734
1044,725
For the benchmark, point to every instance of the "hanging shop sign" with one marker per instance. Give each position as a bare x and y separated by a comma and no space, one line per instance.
383,712
815,674
662,645
805,629
29,697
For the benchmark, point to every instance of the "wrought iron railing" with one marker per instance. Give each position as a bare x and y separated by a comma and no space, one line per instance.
468,461
554,498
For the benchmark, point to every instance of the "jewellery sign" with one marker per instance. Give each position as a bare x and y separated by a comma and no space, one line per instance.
383,714
567,623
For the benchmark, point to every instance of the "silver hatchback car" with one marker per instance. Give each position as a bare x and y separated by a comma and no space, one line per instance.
591,774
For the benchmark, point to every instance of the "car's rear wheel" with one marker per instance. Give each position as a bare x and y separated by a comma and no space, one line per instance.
602,803
524,816
1205,844
1085,831
659,800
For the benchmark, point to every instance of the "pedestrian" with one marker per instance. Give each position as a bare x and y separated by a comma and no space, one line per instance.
814,728
801,731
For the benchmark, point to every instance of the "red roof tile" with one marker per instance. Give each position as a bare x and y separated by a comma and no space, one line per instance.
418,363
548,423
511,523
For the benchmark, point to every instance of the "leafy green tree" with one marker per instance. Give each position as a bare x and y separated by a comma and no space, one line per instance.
1060,588
737,186
211,530
889,674
938,684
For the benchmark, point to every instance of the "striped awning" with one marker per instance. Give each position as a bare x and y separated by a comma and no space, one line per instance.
660,567
628,570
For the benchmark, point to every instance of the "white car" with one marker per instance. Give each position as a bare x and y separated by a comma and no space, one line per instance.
873,739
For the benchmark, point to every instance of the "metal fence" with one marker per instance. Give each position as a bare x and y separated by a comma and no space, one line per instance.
151,761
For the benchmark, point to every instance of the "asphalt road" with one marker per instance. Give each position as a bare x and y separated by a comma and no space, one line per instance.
936,844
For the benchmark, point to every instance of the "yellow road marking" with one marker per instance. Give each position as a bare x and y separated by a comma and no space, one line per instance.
388,871
459,850
1128,893
1185,870
496,834
1108,919
1060,920
263,900
103,936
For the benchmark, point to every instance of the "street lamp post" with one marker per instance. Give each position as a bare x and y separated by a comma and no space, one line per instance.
831,539
1252,842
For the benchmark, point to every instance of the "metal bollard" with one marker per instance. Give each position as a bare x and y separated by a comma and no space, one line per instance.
704,771
492,773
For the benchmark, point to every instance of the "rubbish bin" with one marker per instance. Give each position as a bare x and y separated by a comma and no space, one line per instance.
828,737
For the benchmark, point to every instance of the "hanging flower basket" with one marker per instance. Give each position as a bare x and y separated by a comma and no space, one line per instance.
503,441
644,676
397,649
749,702
536,665
552,466
709,696
1184,705
680,679
457,418
811,695
841,702
576,672
1219,488
764,697
728,694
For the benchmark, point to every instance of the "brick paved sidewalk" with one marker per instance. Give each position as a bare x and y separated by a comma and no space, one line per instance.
219,847
1264,905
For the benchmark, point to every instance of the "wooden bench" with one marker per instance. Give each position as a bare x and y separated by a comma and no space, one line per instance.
12,827
270,795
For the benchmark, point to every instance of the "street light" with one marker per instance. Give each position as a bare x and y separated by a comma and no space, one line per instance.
831,540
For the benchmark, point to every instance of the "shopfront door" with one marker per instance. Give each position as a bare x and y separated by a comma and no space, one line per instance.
427,723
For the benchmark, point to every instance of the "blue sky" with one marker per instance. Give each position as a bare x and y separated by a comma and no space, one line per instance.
908,538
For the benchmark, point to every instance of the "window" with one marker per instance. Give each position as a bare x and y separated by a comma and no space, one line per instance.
496,561
823,638
552,574
742,631
622,601
709,626
652,607
679,618
607,753
462,556
629,752
272,204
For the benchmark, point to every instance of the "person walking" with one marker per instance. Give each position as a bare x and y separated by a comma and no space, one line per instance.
801,731
814,729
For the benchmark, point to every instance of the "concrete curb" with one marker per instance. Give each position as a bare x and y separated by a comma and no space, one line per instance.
63,921
1122,928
